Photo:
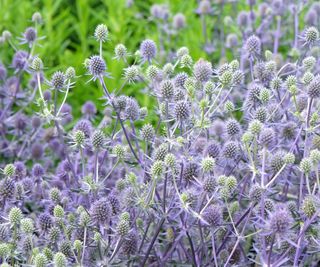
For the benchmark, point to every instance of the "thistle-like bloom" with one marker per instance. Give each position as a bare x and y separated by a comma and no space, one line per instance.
97,67
148,50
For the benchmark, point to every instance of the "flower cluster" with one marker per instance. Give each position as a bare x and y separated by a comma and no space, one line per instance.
227,175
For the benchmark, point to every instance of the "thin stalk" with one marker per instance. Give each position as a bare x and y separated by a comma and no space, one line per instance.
119,118
152,241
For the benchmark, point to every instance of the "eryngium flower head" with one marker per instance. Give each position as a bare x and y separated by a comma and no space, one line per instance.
84,126
253,45
311,35
191,171
101,33
130,242
280,221
202,70
101,211
213,149
179,21
89,109
277,161
213,216
132,110
148,50
97,67
120,52
204,7
37,64
182,111
167,89
147,132
30,36
98,139
45,222
310,206
131,74
7,188
20,60
180,79
57,80
314,87
231,149
209,184
233,127
267,137
60,260
255,193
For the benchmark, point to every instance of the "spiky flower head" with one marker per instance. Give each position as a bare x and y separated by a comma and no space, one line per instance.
311,35
233,127
179,21
168,69
101,33
40,260
45,222
58,211
29,36
36,18
70,73
132,110
167,89
27,225
129,246
123,227
57,80
306,165
15,215
209,184
60,260
310,206
97,67
119,151
253,45
186,61
120,52
314,87
147,132
267,137
79,138
157,168
213,216
289,158
280,221
98,139
37,64
182,51
255,127
202,70
148,50
237,77
255,193
101,211
9,170
7,188
229,106
182,111
231,150
307,77
208,164
131,74
309,62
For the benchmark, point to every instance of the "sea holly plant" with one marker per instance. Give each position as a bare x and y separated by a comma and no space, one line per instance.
221,170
